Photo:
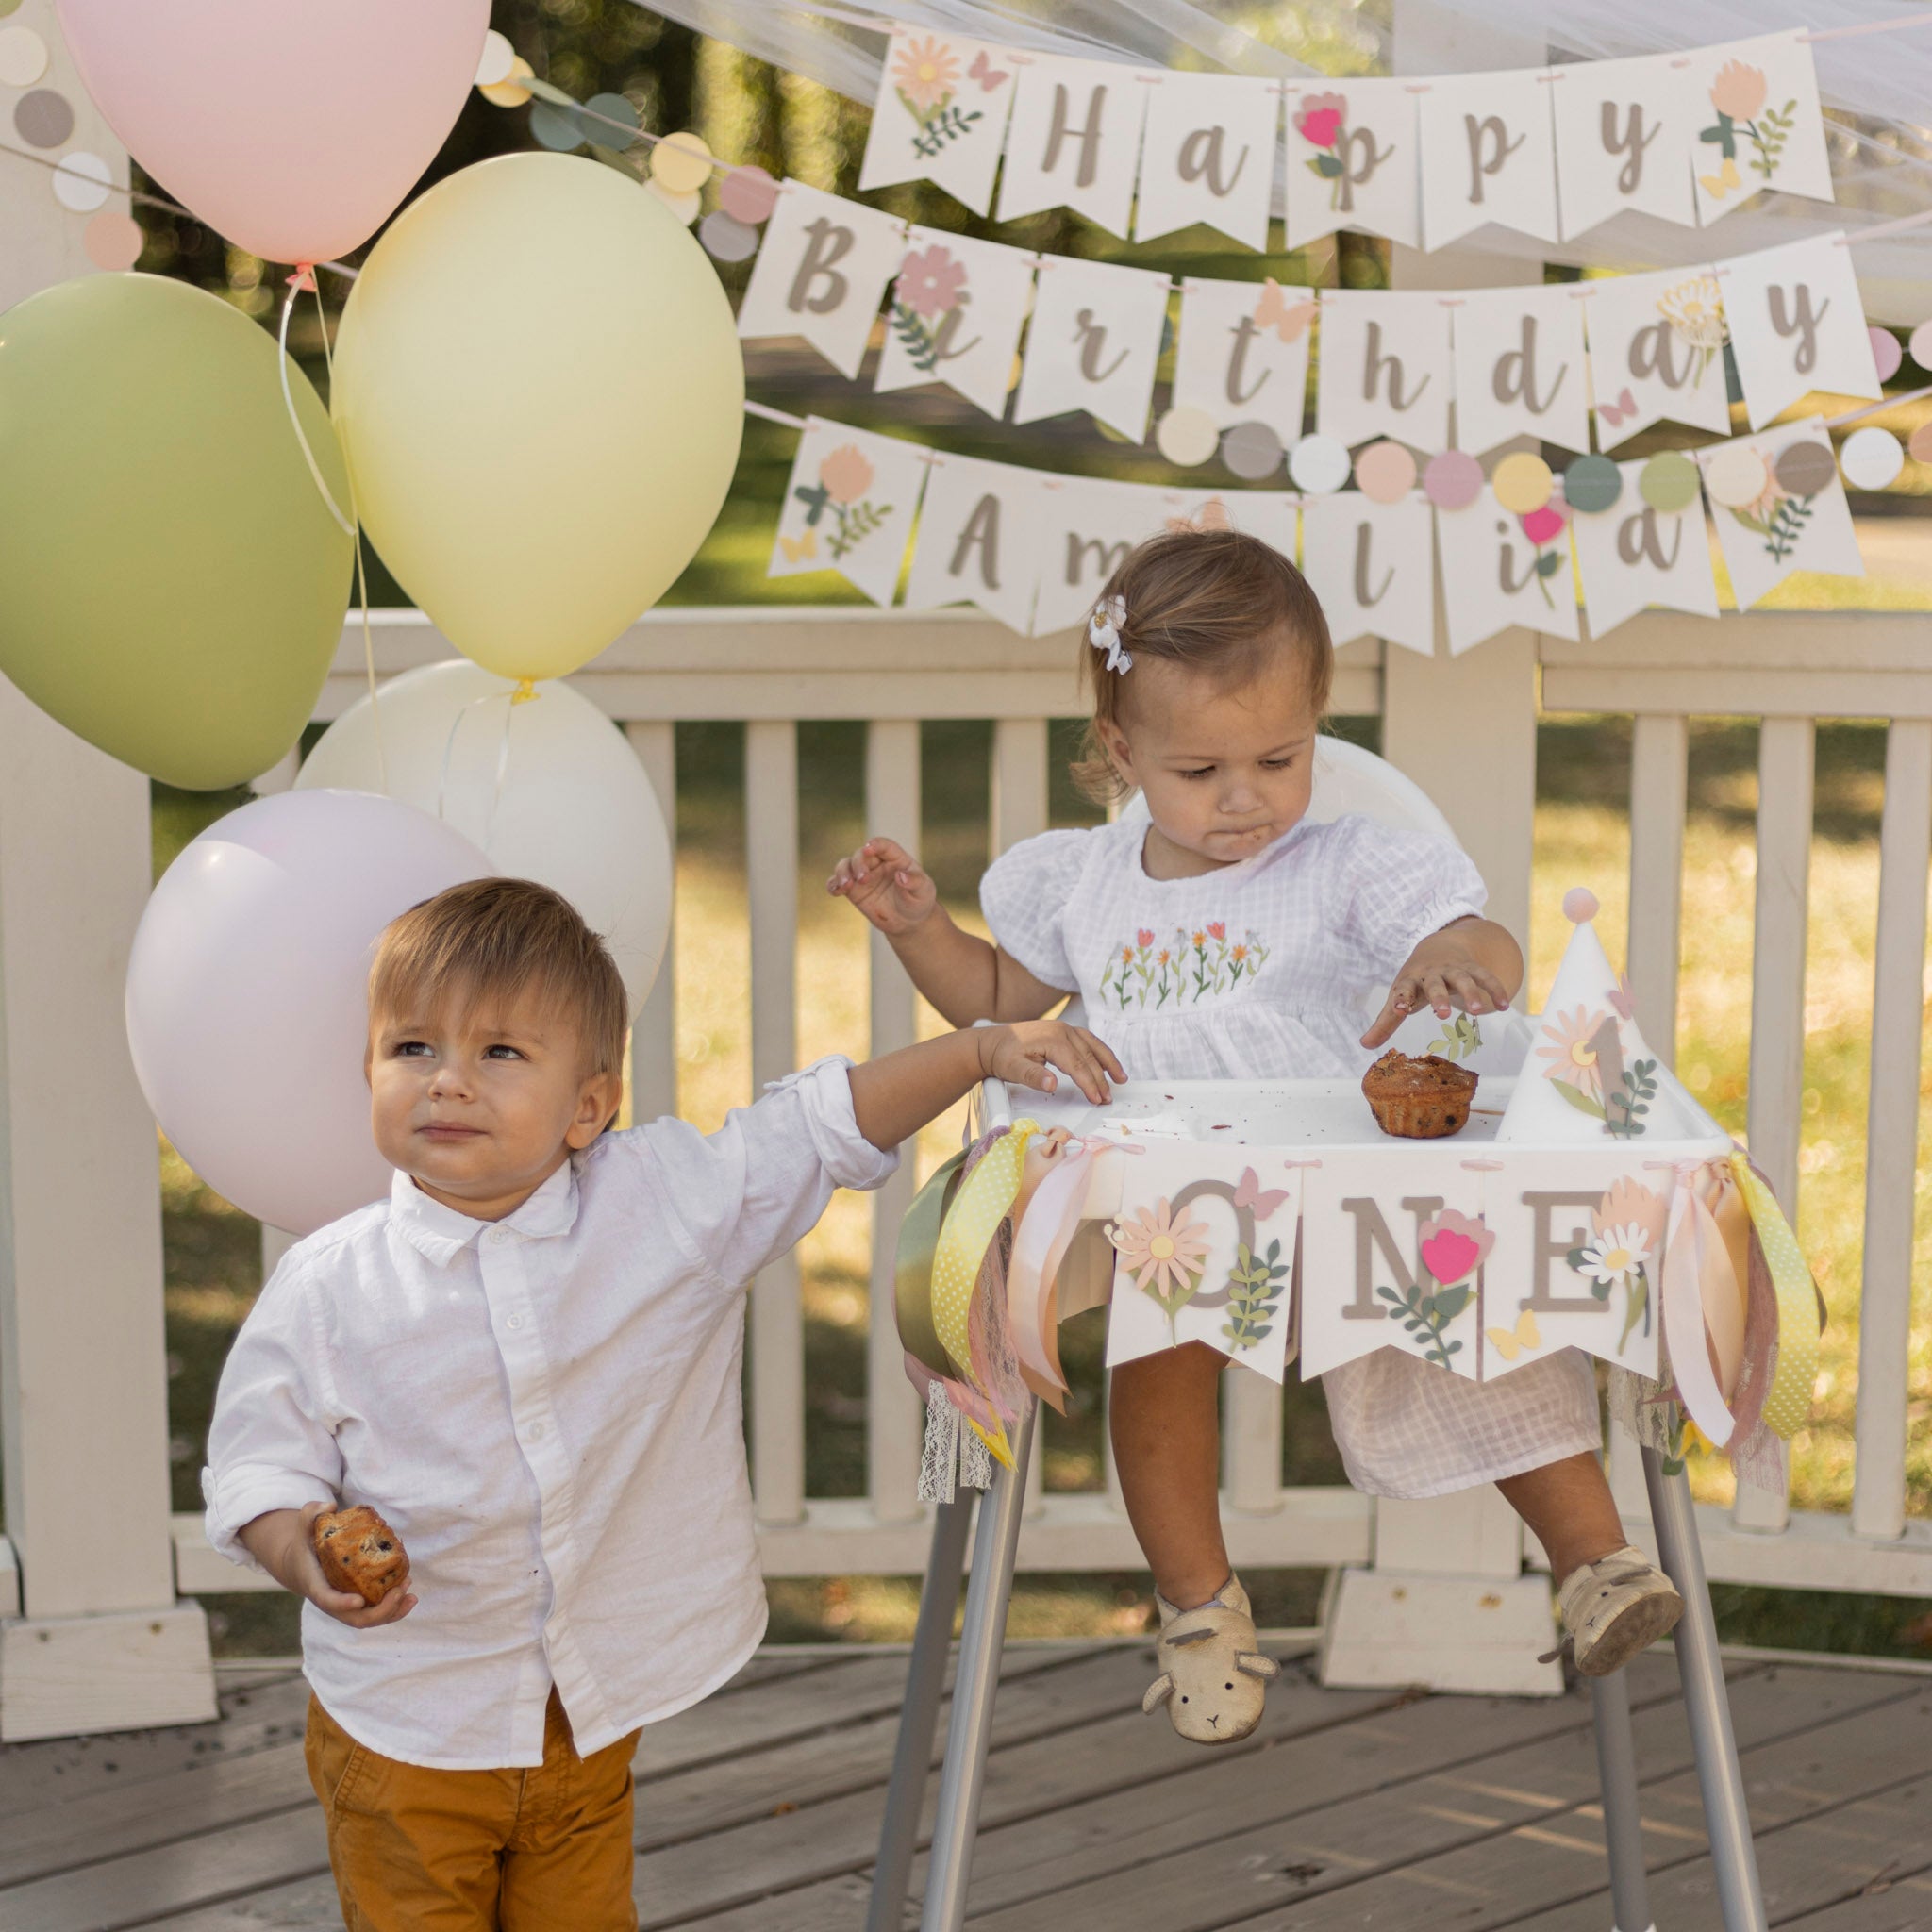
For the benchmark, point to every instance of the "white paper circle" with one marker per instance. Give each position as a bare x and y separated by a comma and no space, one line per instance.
1871,458
499,58
685,206
23,55
1187,436
1919,346
1320,464
1736,476
81,181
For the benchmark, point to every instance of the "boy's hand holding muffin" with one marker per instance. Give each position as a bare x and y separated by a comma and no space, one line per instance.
284,1543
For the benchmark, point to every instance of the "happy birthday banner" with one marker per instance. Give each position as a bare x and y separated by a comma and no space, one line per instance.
1549,151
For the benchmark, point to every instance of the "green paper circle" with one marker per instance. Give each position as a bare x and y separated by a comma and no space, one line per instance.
610,108
1593,484
1668,481
562,131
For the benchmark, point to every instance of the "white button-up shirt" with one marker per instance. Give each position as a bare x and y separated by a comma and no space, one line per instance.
547,1409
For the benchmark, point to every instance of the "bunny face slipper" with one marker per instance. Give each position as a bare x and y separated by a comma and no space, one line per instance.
1213,1675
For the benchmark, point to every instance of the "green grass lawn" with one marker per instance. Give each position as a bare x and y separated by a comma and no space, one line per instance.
1582,835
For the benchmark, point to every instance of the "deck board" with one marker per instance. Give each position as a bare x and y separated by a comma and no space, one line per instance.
759,1810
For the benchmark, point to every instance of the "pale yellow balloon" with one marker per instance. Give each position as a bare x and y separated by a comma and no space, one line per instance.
681,163
538,389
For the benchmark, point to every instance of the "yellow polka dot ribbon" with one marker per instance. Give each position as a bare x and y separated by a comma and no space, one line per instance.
1789,1404
985,1199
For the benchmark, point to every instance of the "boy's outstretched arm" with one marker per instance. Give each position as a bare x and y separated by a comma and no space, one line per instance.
896,1095
279,1541
965,978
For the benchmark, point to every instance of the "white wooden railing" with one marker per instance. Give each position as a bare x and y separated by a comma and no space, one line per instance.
771,668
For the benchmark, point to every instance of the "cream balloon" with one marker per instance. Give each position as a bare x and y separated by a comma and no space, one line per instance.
247,993
547,789
540,391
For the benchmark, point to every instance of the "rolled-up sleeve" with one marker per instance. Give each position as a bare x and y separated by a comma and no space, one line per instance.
748,1192
271,1444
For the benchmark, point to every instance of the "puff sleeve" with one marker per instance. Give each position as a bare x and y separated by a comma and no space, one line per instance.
1024,896
1396,888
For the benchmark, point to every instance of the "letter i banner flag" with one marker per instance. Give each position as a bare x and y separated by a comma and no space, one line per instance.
821,274
1372,565
849,507
940,116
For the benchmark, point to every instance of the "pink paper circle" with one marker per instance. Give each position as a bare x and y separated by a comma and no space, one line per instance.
748,194
1920,447
1452,479
112,239
1885,352
1385,472
1919,346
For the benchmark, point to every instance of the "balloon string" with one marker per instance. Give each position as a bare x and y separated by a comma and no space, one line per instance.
295,283
362,568
521,693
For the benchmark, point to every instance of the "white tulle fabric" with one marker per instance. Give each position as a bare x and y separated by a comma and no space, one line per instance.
1337,909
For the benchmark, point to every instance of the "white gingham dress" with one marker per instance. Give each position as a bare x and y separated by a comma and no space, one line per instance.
1257,970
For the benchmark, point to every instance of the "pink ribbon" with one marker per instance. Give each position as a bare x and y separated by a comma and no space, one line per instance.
1701,1309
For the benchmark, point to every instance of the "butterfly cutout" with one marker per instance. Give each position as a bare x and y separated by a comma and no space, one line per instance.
1719,185
1212,515
985,72
1620,411
1249,1193
1275,310
1526,1339
798,548
816,500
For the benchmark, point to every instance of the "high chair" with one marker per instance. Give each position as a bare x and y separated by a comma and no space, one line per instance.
1347,779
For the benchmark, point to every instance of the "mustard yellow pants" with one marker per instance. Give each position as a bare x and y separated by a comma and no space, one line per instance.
525,1850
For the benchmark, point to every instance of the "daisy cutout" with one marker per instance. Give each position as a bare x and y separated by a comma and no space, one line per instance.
1573,1054
1165,1255
1616,1255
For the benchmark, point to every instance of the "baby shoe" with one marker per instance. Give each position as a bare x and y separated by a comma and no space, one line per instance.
1213,1676
1614,1608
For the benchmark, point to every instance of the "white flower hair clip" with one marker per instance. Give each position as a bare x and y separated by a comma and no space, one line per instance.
1104,634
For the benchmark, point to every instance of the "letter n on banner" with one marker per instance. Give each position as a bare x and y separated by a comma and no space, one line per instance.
1394,1247
978,540
821,272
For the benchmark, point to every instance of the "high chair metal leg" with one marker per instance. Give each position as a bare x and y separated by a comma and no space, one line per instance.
1728,1821
976,1684
1616,1760
926,1678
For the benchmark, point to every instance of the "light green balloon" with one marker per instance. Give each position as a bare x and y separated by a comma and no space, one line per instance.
172,584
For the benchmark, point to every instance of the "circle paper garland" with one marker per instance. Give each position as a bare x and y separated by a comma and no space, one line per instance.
1253,451
748,194
23,55
1452,480
1522,482
608,107
1319,464
1668,481
497,62
1737,477
506,93
1871,458
1593,484
113,241
1921,445
1802,469
81,181
1385,471
725,239
1187,436
43,118
1886,353
681,163
685,206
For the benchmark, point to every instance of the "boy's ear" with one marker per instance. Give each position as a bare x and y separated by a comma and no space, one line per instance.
597,1105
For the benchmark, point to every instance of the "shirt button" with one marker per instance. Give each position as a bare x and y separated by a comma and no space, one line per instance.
535,1432
515,1322
499,1235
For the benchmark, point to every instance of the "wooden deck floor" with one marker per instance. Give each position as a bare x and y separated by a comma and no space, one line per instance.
1362,1809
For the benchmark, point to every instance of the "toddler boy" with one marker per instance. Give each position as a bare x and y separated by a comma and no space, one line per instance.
527,1361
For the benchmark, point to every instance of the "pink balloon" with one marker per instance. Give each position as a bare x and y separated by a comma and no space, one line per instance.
247,993
293,129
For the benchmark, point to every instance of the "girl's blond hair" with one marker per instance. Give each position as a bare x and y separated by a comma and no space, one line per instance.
1217,601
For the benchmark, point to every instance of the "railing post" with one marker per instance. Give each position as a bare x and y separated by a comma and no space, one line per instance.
653,1036
778,1315
892,1444
1786,751
1892,1141
1659,751
103,1644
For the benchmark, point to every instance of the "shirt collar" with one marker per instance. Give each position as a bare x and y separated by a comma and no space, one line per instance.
441,1233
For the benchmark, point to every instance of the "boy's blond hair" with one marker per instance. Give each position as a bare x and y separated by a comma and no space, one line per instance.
504,937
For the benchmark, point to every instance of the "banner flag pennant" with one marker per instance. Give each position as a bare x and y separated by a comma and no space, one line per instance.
1208,155
1087,527
1373,567
940,116
1094,343
1656,350
1500,568
1797,324
1520,368
1634,556
1075,140
1488,154
1242,355
955,316
821,272
1626,131
1386,368
1779,506
1762,125
849,507
978,540
1353,161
